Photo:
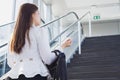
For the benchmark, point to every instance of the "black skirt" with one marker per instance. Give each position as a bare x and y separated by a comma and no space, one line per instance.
22,77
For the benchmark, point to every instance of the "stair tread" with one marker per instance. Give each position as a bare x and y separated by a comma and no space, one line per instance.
97,79
94,68
93,74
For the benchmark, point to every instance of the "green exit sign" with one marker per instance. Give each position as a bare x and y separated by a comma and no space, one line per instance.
96,17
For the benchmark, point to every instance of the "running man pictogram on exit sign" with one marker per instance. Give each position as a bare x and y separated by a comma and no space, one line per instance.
96,17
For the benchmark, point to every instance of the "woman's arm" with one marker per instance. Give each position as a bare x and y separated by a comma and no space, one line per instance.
44,48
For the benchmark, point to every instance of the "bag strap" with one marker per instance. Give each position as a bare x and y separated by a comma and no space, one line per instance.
55,53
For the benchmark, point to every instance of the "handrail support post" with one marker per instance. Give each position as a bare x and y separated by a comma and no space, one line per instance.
79,37
90,27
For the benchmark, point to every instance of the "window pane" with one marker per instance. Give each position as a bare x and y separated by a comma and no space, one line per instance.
18,4
6,8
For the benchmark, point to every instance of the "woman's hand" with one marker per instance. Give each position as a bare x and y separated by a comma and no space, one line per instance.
67,43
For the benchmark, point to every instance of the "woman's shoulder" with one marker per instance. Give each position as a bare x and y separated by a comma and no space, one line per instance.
38,31
37,28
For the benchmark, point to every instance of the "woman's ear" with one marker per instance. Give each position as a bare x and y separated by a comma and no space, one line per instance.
33,18
33,15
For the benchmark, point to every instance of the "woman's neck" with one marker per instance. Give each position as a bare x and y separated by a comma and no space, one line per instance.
35,25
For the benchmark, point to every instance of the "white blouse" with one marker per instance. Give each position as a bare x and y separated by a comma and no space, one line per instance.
29,62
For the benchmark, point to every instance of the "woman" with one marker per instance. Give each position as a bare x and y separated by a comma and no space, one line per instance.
29,46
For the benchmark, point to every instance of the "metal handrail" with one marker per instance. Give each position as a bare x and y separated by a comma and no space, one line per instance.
15,21
69,27
84,15
61,18
62,32
7,24
3,45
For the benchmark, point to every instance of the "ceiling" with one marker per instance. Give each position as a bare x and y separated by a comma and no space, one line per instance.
106,8
84,3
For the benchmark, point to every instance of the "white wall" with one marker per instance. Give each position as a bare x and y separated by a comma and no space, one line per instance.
103,28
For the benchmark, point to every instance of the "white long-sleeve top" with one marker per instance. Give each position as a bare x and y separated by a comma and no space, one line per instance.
29,62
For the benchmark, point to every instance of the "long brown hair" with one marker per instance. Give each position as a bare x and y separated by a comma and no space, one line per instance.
22,26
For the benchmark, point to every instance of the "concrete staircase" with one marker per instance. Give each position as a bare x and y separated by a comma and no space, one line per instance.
100,60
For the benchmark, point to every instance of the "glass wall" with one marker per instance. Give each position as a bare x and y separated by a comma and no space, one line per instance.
45,11
18,3
6,8
9,11
6,16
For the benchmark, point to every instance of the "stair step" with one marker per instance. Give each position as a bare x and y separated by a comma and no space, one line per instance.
87,43
96,68
93,75
95,44
90,59
85,57
99,54
94,63
103,38
103,49
97,79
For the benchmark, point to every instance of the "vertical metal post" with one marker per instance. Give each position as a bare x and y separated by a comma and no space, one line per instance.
90,27
13,15
60,30
14,10
79,37
4,65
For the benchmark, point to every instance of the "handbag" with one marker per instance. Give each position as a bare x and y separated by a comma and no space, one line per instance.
51,68
58,69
